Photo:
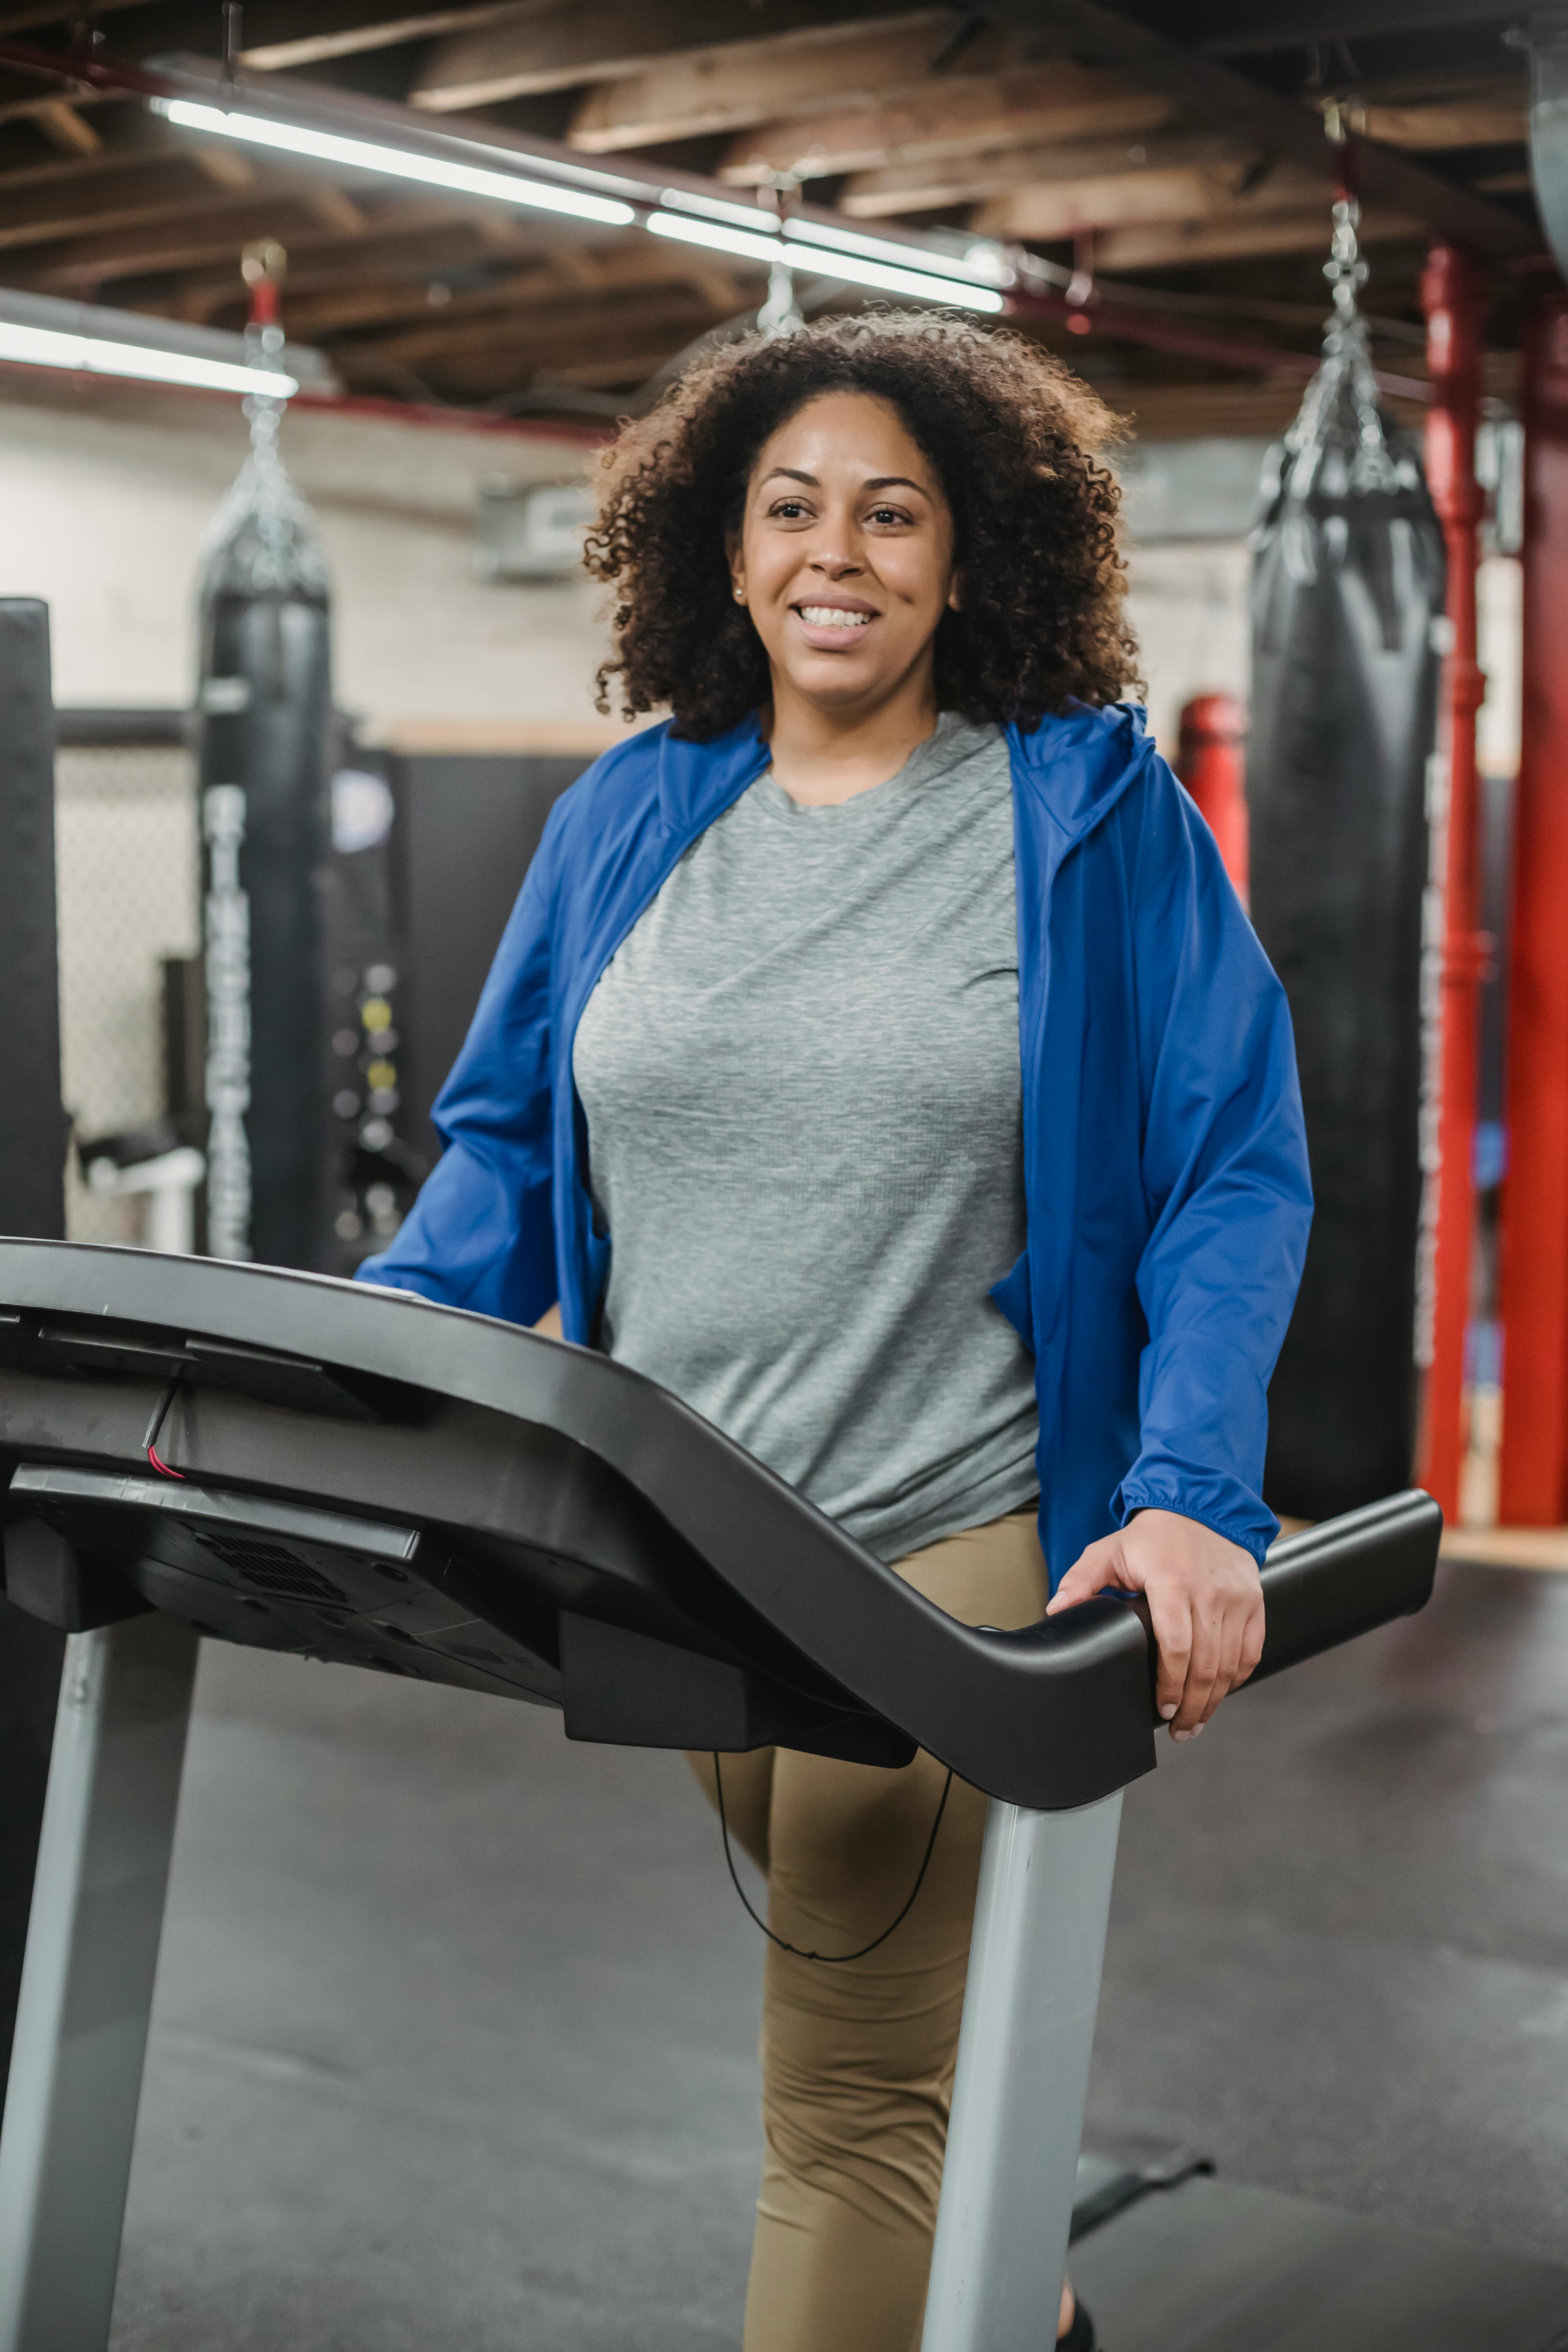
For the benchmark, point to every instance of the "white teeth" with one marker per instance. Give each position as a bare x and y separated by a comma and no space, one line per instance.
832,616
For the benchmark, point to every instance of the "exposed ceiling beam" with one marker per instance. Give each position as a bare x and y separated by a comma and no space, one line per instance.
209,238
1220,95
1499,118
742,82
1175,244
1044,213
283,38
27,20
548,286
553,44
499,352
66,128
953,116
37,208
389,260
1250,33
994,172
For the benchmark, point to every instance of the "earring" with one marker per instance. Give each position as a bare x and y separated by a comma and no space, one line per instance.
739,595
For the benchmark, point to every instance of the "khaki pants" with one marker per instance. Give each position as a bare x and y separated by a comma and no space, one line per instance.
857,2062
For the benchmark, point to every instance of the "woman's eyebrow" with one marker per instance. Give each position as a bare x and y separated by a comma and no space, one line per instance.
794,474
896,482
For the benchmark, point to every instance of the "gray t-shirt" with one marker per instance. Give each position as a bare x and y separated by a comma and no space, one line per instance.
801,1076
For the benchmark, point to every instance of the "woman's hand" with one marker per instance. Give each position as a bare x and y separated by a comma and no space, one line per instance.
1205,1606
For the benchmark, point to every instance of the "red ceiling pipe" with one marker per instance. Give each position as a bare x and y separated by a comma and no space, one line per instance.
1534,1472
1210,763
1453,297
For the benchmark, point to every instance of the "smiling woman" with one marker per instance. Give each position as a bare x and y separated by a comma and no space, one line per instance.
879,1060
1003,442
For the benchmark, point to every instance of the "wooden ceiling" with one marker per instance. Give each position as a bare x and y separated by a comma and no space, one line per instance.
1174,149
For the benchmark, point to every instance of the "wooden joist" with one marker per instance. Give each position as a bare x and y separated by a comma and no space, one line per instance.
955,114
1498,118
553,44
1238,236
730,86
209,239
999,171
1047,212
347,306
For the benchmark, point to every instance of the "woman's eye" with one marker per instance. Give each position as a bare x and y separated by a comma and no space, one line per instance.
888,514
788,509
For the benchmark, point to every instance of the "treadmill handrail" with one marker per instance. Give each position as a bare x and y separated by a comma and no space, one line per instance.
1052,1718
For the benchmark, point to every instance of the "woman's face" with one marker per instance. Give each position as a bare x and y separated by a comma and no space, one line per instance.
846,553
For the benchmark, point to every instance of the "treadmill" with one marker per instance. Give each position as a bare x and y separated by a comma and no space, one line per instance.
192,1447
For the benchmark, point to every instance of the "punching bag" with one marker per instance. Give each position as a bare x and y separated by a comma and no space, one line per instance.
1347,598
266,708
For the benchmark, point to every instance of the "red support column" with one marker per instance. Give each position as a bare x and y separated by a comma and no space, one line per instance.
1453,294
1210,762
1534,1486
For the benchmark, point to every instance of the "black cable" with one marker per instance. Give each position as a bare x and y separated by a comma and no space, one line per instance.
155,1431
828,1959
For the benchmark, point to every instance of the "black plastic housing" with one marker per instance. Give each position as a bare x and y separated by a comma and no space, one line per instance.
435,1494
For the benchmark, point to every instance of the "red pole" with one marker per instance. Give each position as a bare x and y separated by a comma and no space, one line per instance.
1454,298
1533,1481
1209,761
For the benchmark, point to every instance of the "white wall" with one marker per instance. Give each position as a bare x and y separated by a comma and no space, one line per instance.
104,505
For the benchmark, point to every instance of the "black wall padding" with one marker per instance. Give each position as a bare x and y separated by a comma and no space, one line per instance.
32,1163
32,1201
266,687
1346,584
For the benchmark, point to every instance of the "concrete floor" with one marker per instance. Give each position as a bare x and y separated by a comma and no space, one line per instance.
455,2024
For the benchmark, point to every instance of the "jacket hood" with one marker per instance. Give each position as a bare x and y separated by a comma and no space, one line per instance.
1077,765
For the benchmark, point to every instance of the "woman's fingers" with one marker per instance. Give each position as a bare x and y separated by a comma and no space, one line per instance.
1089,1574
1170,1618
1251,1642
1228,1669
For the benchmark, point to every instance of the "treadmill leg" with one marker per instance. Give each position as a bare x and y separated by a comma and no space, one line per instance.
87,1980
1023,2076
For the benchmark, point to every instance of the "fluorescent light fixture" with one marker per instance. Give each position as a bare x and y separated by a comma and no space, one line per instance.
981,267
397,163
747,246
744,243
750,217
95,355
915,283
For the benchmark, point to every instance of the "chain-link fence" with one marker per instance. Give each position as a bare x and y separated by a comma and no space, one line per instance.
129,883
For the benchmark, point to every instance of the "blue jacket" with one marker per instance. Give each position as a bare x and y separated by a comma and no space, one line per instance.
1165,1159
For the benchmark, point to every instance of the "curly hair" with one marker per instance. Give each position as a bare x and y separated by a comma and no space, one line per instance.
1011,435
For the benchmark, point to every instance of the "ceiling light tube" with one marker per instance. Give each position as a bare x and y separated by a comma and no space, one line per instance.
928,259
397,163
747,216
915,283
744,243
95,355
748,247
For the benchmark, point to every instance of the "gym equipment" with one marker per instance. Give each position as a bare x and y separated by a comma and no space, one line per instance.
1211,762
32,1201
298,1464
1348,612
265,701
466,829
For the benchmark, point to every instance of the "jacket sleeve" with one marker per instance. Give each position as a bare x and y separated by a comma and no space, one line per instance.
1224,1175
481,1232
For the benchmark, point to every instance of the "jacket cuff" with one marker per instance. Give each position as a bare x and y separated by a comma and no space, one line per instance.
1219,1502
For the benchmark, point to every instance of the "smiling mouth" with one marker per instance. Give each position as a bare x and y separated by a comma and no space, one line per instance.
833,617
